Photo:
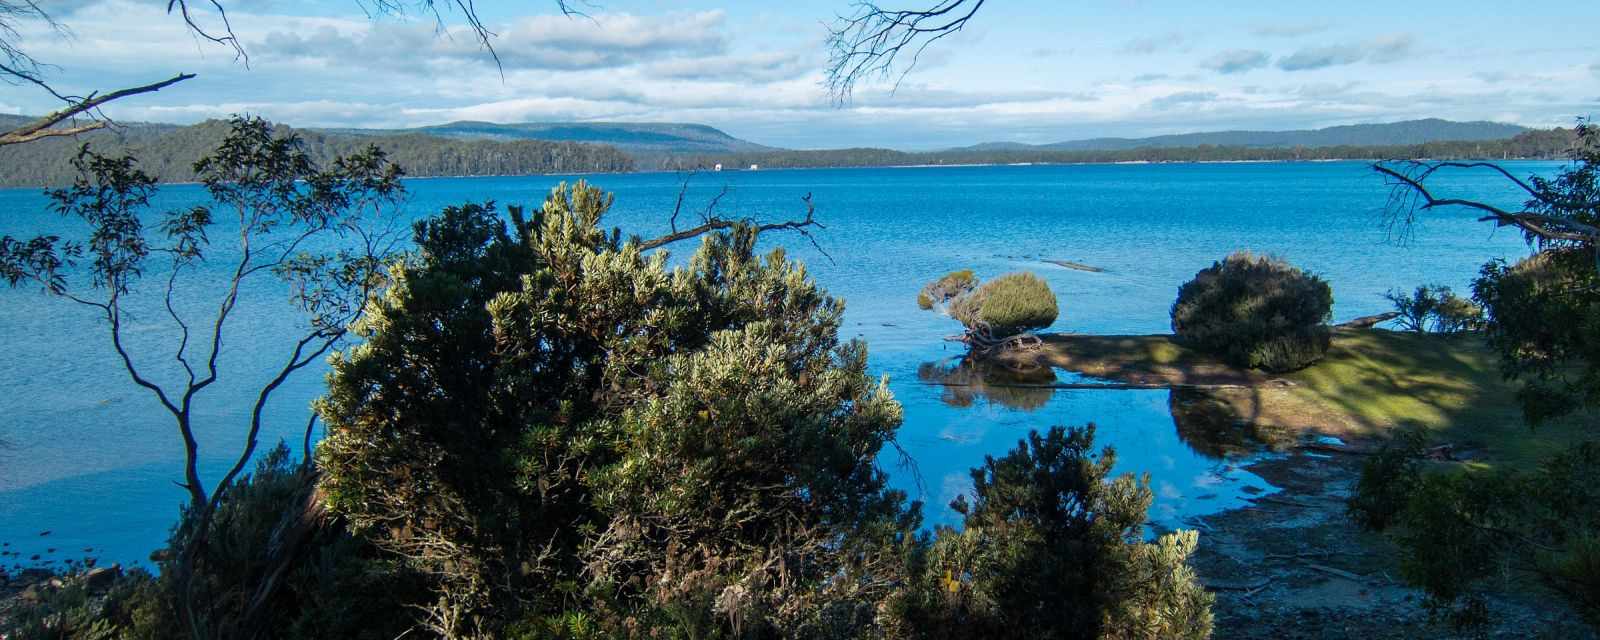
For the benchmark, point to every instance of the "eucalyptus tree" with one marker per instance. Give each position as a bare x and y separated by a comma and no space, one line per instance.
325,233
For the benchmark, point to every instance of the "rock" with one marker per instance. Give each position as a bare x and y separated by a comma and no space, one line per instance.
102,578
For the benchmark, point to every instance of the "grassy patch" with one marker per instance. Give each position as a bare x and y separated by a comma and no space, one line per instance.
1370,383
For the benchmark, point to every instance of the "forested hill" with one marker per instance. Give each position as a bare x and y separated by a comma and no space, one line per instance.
1538,144
168,151
1409,132
635,137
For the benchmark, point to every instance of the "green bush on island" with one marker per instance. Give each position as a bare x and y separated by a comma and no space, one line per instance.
1008,305
1257,312
943,290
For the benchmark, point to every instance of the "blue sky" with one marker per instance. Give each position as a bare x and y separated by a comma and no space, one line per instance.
1030,71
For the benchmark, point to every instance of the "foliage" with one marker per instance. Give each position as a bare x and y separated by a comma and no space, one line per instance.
1435,308
332,585
945,289
1544,319
1052,547
76,611
1460,532
1257,312
1010,304
551,423
1386,481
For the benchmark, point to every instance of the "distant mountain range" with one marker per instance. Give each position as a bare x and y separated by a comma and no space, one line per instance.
635,137
1393,133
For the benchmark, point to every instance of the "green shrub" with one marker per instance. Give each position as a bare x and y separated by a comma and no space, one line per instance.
1008,305
75,611
1435,308
1052,547
572,438
1462,532
1256,312
945,289
1544,319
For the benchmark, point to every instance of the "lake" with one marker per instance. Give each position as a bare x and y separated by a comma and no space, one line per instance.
93,460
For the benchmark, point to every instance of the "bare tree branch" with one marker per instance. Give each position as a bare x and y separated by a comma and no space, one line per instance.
868,43
712,222
42,128
1409,194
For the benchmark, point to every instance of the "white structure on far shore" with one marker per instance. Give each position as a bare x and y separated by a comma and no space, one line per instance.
718,167
755,167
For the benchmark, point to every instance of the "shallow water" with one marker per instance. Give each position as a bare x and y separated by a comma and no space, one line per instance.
90,458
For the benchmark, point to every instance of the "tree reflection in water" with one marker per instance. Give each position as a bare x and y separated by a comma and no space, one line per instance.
966,379
1212,427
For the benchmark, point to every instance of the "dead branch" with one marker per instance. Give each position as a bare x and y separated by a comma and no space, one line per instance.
1409,194
868,43
713,222
42,128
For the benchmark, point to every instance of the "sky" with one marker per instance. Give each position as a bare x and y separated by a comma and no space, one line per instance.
1023,70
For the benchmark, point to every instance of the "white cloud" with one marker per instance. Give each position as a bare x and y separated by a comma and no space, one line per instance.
550,42
1236,61
1384,49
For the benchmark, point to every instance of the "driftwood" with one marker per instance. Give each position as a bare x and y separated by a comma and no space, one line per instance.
1367,322
1076,266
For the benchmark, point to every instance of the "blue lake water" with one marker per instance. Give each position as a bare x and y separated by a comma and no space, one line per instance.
93,459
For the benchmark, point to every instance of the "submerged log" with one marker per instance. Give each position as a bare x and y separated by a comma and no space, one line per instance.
1076,266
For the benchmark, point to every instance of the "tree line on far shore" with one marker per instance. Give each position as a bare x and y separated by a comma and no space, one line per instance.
169,151
1550,144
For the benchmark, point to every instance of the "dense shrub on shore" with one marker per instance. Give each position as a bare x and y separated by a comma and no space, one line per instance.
1255,311
1461,534
1544,319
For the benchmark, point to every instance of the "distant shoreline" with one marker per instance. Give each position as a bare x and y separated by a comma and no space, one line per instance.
964,165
